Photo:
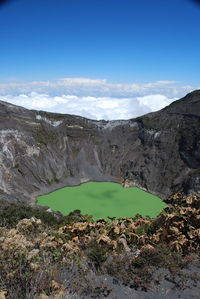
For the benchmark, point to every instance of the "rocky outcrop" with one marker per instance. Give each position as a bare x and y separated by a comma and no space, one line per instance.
41,152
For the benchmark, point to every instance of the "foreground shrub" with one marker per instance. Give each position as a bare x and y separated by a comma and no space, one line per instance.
10,214
44,254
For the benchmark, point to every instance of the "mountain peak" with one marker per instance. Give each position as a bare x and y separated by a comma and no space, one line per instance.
190,104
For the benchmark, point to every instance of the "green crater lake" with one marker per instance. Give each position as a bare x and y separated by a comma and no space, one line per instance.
103,199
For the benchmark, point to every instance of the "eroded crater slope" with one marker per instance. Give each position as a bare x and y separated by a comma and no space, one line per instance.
41,152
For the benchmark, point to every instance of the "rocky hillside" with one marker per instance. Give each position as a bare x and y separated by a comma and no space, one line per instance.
40,151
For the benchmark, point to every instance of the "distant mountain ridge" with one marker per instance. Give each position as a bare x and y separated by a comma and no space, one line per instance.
41,151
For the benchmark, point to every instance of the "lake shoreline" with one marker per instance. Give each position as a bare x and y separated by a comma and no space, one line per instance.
90,198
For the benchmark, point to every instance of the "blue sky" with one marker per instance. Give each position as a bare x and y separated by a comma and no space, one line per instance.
121,41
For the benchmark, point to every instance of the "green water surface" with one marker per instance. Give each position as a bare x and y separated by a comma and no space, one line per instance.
102,199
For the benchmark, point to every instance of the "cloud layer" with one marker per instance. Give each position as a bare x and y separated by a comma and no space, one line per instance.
93,98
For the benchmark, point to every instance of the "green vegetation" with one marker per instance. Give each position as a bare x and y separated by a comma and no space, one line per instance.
102,200
43,137
11,214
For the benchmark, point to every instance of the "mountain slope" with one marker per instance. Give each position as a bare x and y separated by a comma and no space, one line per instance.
40,151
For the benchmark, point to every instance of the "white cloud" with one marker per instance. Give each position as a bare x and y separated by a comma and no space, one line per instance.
95,87
81,81
155,102
93,98
166,82
107,108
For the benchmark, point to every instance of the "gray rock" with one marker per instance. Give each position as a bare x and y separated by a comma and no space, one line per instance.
158,152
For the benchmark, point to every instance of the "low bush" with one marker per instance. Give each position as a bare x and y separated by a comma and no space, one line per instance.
11,214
